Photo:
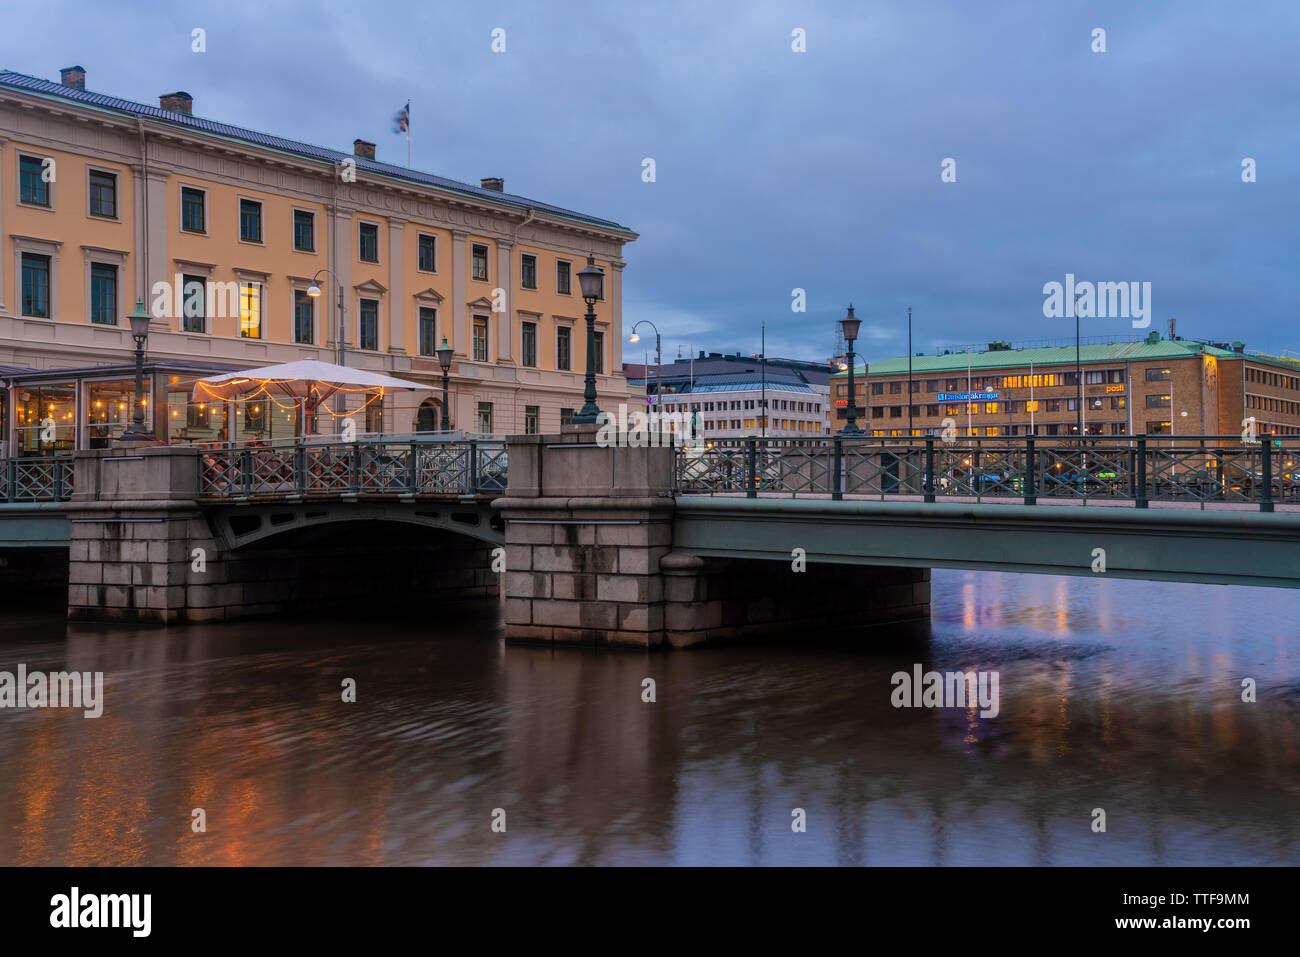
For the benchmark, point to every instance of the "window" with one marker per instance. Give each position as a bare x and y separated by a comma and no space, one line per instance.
1158,402
428,331
598,352
990,408
485,418
428,253
1031,405
564,277
369,251
36,286
479,339
368,324
193,213
532,419
103,294
562,346
528,343
566,417
33,187
103,194
877,388
1157,428
304,317
250,310
250,221
194,304
304,231
528,271
1158,375
1094,378
479,268
895,388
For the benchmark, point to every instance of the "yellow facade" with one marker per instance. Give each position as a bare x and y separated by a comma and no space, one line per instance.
156,159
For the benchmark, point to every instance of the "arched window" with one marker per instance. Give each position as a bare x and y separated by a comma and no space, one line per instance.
426,420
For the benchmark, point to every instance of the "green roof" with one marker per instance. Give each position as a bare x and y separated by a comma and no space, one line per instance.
1061,355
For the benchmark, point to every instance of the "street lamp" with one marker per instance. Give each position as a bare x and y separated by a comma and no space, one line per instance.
314,292
659,373
849,324
139,332
592,282
444,360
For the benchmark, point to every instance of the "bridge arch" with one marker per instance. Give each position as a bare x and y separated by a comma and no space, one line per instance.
237,527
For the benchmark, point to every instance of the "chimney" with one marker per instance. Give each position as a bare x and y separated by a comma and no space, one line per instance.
364,149
178,102
73,76
493,182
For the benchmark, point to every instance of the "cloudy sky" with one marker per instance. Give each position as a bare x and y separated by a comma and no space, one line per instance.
778,170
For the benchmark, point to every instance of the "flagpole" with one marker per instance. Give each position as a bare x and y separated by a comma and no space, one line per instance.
408,133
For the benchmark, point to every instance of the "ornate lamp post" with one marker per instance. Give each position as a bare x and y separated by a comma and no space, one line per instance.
444,360
139,332
592,282
849,324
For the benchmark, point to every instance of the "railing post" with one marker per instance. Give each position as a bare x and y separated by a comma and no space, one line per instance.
1140,474
1031,478
58,481
751,469
928,480
1266,464
473,468
837,481
246,470
412,467
12,477
300,466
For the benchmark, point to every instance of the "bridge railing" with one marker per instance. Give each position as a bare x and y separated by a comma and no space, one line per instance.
1201,469
409,467
44,479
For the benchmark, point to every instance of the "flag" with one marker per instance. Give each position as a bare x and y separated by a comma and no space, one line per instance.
402,119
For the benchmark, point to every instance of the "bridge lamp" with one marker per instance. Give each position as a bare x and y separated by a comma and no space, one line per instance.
139,322
591,281
314,291
444,360
849,325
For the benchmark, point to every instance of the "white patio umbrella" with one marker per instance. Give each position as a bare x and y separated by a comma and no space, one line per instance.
309,380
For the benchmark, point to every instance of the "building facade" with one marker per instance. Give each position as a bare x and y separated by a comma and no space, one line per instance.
726,393
221,231
1155,386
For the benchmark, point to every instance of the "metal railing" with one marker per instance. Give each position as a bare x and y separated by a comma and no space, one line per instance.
46,479
1201,469
410,467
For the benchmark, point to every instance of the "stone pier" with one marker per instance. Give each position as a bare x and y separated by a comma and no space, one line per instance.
590,560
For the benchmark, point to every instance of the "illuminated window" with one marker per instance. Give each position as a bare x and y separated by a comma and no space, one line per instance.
250,310
990,408
1031,406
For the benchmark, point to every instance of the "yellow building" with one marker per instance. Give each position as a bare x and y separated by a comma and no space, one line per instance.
221,231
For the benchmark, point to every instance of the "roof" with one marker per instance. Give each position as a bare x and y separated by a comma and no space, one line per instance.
127,369
1056,355
49,89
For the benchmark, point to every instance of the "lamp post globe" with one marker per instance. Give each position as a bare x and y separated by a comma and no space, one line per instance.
850,325
444,361
139,324
591,281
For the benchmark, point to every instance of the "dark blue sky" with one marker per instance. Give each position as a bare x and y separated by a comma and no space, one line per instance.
818,170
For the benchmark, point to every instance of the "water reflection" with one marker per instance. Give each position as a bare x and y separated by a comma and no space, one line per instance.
1119,695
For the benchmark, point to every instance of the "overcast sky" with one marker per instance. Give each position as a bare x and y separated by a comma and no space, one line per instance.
778,170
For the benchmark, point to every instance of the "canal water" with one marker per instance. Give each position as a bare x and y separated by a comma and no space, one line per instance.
1119,696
